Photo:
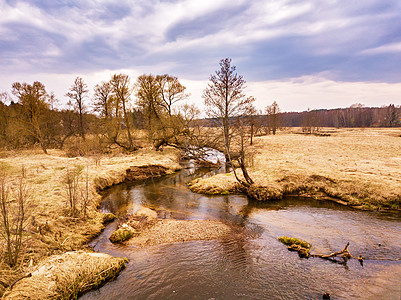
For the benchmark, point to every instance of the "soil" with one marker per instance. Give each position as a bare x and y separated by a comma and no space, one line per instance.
144,172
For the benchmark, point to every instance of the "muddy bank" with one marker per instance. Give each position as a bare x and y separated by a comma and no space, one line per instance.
133,173
67,276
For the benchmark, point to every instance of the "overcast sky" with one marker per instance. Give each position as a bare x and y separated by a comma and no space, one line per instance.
302,54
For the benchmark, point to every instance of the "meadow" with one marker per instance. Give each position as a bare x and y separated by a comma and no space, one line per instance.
355,167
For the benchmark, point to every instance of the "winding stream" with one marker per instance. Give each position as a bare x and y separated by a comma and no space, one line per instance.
251,264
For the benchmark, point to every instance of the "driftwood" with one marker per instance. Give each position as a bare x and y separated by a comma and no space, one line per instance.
304,251
343,254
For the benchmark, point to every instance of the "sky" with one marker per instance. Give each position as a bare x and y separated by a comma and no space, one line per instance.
302,54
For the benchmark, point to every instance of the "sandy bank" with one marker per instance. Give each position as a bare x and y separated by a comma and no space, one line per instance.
178,231
149,230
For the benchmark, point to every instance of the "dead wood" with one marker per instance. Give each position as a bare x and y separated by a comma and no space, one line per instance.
344,253
305,253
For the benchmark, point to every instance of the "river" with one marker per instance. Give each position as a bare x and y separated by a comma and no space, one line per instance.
252,263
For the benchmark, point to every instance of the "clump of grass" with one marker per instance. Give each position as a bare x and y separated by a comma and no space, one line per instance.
108,217
120,235
289,241
67,276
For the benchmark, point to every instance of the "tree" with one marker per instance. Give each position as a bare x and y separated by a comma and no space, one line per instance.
148,94
225,99
273,119
121,96
34,105
171,91
4,118
101,99
78,92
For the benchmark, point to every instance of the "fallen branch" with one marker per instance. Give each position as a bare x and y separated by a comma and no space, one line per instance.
343,254
293,244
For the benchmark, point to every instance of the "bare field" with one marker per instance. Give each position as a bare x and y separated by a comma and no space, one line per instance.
357,167
51,229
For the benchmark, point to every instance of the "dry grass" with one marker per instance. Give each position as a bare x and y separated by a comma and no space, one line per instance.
51,230
359,167
67,276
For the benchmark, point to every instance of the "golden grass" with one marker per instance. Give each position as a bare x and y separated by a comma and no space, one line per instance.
67,276
51,230
360,167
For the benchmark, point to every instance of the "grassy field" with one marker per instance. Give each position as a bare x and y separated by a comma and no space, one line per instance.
51,229
357,167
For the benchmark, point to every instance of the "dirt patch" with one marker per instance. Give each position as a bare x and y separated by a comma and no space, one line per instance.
67,276
178,231
144,172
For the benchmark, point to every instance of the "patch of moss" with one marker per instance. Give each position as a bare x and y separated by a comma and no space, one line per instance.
289,241
108,217
121,235
225,193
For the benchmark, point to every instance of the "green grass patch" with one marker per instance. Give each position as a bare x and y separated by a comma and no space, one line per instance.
108,217
121,235
289,241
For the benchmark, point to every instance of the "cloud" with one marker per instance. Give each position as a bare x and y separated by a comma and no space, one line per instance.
388,48
299,94
268,40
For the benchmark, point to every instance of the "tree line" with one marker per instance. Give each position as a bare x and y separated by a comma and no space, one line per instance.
116,108
356,115
115,111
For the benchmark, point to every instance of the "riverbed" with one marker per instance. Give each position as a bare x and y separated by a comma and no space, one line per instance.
251,263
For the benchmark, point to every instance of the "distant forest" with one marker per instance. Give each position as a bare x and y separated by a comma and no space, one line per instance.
357,116
354,116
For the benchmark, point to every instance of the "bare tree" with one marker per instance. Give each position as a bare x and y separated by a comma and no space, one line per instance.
171,91
149,99
225,99
273,119
121,95
34,104
78,92
101,99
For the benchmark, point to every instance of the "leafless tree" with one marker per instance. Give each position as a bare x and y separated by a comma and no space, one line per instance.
101,99
225,99
34,104
171,91
148,94
121,95
273,117
78,92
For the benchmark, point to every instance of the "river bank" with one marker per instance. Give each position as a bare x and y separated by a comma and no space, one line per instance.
354,167
50,228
